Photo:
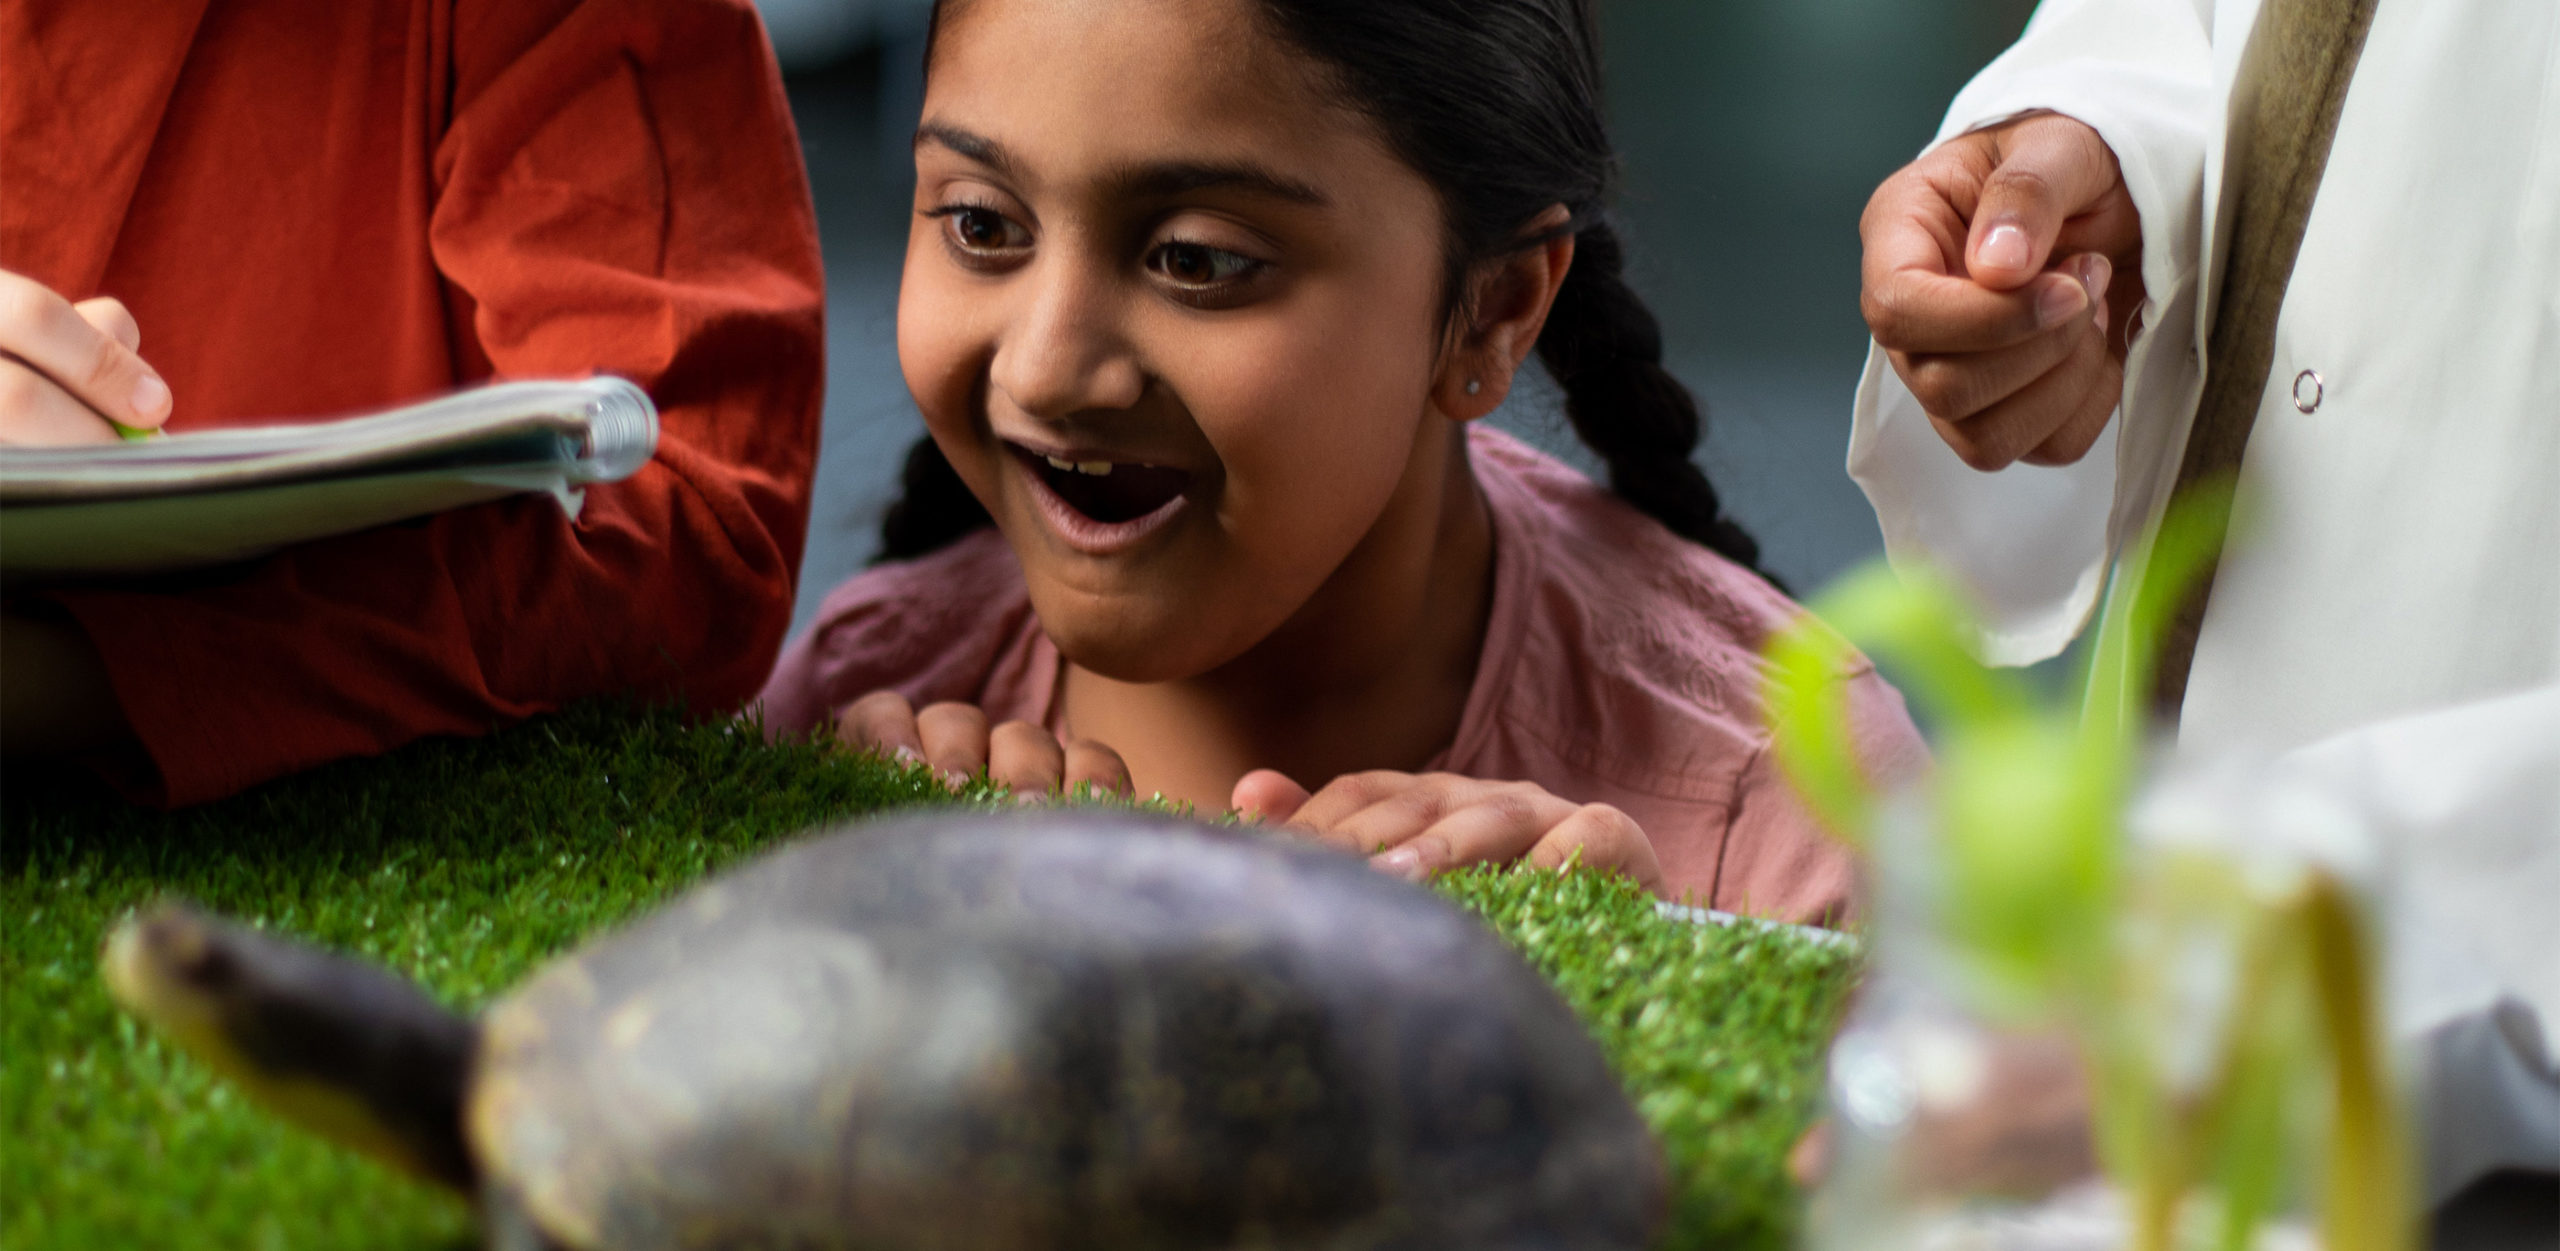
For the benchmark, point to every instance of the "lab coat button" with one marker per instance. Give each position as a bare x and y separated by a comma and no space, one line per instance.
2307,389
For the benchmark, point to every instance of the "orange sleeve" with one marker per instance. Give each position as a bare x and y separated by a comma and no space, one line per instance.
619,190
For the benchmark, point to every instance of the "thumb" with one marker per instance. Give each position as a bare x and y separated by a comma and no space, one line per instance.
1268,796
2051,169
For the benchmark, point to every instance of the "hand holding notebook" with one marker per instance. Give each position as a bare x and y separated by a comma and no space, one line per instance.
69,372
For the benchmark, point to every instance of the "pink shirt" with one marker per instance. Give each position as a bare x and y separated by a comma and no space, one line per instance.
1621,665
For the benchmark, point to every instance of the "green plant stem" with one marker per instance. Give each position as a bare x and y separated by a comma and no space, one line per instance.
2366,1204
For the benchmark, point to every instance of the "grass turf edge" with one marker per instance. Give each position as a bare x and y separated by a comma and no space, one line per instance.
465,863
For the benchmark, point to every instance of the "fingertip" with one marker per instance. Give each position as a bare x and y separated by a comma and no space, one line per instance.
149,403
1268,795
1096,767
2094,271
2060,300
1403,862
2003,255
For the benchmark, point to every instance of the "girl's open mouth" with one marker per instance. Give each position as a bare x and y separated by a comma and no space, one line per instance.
1103,505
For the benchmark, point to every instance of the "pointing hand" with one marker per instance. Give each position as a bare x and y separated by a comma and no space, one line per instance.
2002,274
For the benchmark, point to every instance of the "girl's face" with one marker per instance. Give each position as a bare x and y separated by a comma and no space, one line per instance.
1174,314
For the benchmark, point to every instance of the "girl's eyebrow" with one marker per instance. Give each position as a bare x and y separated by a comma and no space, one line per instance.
1155,180
1163,180
975,147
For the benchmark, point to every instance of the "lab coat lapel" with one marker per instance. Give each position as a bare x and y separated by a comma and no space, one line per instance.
2235,22
80,107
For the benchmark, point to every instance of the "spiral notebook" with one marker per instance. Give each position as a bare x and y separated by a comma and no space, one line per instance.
212,497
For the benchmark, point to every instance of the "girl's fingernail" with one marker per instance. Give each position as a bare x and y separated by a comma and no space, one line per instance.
957,780
150,397
907,756
1404,862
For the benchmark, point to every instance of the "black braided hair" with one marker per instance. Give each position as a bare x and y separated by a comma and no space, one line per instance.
1604,349
935,509
1497,104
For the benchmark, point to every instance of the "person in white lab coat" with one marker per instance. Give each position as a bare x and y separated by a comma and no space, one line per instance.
2043,286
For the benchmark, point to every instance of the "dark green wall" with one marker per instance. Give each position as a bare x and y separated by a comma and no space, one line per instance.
1753,131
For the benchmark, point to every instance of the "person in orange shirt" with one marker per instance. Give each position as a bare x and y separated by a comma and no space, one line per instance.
217,211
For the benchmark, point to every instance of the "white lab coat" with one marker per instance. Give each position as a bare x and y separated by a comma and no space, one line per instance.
2388,614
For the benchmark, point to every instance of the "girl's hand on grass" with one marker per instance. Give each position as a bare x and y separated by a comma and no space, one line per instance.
1415,825
956,742
68,372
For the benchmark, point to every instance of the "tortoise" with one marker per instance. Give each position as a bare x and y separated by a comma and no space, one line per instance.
1064,1030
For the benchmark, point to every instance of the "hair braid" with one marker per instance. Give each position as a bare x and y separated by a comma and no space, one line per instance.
934,509
1605,350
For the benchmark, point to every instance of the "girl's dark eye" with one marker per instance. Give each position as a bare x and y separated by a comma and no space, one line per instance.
1199,265
976,229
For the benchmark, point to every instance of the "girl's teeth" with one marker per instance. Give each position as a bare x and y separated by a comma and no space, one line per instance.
1057,463
1095,468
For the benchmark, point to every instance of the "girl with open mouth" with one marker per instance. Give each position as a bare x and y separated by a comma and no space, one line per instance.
1204,302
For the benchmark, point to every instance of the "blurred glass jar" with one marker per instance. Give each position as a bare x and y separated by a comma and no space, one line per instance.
2231,1038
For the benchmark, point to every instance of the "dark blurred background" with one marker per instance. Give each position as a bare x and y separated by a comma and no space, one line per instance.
1752,133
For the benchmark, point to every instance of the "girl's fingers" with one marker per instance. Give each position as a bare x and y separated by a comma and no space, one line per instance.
955,740
1605,838
1025,759
1401,806
1093,764
1497,824
1347,796
881,722
1268,796
45,333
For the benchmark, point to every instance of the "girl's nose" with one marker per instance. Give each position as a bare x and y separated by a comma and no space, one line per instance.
1066,352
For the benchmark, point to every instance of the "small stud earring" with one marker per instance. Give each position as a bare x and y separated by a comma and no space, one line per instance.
1474,385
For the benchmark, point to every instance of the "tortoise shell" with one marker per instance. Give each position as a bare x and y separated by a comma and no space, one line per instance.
1065,1031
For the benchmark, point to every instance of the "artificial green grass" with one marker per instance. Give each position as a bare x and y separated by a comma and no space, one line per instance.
465,864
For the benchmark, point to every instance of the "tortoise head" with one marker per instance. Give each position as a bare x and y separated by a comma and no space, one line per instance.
334,1044
170,967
